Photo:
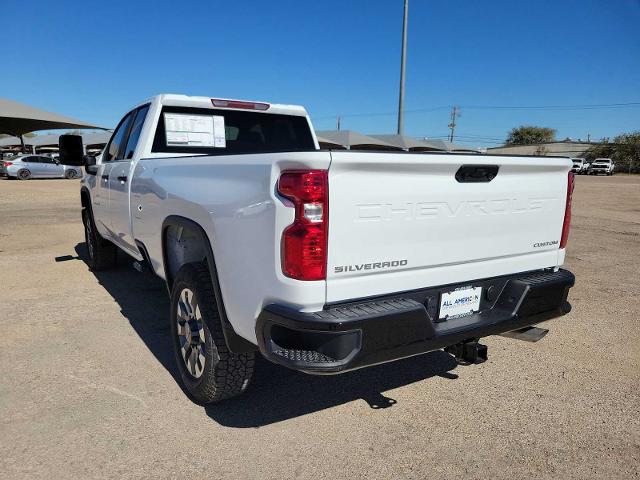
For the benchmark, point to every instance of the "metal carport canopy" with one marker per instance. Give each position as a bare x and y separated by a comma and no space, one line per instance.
407,143
354,140
17,119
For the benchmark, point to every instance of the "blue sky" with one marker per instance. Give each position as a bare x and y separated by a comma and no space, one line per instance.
93,60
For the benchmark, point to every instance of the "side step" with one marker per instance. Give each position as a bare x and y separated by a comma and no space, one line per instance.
527,334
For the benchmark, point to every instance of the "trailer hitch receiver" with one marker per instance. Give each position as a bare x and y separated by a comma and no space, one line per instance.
469,351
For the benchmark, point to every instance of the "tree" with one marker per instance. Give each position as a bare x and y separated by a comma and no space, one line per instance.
624,151
528,135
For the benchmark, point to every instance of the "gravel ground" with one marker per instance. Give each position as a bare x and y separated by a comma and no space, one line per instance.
89,388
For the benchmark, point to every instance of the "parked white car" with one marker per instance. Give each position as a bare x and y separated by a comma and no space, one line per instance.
26,167
602,165
323,261
580,166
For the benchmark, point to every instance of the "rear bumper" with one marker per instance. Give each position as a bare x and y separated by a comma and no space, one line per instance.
358,334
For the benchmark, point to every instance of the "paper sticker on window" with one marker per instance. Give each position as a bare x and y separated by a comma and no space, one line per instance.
219,132
194,130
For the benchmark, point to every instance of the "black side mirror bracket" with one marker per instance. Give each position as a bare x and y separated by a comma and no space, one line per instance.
90,165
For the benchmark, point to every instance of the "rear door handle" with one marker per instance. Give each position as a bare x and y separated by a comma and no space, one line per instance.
122,178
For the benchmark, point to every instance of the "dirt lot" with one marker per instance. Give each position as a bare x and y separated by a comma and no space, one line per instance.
89,388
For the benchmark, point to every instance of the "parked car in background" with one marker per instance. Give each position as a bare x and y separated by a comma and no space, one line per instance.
25,167
580,166
602,165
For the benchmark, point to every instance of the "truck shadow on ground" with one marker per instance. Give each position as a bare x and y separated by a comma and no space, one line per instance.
276,393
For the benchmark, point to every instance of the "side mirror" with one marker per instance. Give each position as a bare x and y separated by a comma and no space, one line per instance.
71,150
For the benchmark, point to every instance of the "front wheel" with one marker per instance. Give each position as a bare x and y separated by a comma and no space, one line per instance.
102,253
209,371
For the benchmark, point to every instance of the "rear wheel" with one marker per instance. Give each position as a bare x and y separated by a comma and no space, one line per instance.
24,174
102,253
70,174
210,372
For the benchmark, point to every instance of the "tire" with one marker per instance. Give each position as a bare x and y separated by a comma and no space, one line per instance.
102,253
209,371
23,174
70,174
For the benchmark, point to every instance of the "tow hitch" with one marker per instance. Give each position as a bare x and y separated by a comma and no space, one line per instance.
469,351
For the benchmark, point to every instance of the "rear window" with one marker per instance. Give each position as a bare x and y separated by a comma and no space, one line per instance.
200,130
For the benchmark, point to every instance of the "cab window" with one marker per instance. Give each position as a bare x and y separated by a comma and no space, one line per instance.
115,148
136,128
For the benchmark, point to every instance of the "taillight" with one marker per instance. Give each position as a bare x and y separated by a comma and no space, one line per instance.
217,102
8,164
567,211
304,242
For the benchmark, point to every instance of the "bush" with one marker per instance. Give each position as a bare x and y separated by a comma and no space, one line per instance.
624,151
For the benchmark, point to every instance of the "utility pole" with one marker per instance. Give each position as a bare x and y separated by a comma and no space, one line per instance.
338,123
452,125
402,69
588,138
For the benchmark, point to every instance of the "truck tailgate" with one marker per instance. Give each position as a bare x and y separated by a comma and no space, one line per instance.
402,221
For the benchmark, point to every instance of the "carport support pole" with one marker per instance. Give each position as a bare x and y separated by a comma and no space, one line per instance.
22,146
402,69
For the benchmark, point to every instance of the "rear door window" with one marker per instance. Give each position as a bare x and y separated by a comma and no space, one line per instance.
136,128
244,132
115,147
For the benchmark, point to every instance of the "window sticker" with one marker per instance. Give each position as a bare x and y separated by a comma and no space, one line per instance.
194,130
219,134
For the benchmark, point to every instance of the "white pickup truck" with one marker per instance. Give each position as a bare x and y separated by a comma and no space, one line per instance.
580,166
323,261
602,165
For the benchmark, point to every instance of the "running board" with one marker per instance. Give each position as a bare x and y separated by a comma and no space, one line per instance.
527,334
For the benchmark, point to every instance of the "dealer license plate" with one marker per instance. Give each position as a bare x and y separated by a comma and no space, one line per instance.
460,302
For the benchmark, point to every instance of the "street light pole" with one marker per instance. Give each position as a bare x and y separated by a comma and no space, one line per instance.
402,68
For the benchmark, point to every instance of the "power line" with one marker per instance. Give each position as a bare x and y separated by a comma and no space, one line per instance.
593,106
554,107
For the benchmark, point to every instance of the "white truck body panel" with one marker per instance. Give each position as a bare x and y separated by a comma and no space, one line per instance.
409,208
232,197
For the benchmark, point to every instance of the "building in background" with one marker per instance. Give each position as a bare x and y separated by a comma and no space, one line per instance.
566,148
